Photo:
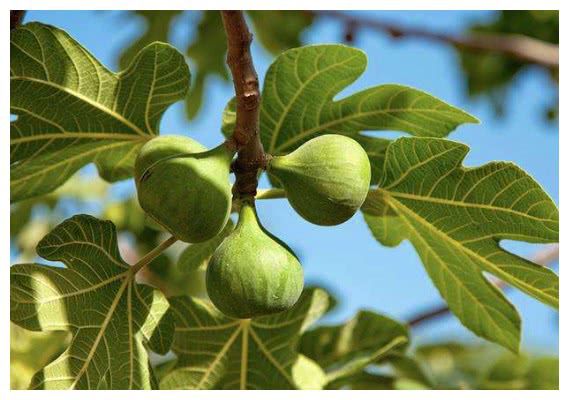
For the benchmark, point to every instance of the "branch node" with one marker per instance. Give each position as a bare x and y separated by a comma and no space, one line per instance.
245,138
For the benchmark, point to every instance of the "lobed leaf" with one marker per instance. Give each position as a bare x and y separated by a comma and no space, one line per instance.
112,319
72,111
218,352
455,218
345,350
298,104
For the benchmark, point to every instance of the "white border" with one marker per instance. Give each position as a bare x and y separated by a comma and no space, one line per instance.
6,5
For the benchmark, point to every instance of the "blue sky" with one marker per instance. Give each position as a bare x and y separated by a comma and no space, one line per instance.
346,258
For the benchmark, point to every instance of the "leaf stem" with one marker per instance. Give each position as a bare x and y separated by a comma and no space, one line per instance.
245,138
155,252
266,194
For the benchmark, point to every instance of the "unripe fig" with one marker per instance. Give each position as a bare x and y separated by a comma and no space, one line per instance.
326,179
252,273
183,187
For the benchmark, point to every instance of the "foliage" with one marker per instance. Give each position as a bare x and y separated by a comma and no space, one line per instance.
493,74
95,298
457,366
486,74
71,111
30,351
455,218
295,109
275,31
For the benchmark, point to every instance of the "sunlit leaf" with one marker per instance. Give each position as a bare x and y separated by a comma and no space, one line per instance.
217,352
30,351
73,111
455,218
112,319
298,103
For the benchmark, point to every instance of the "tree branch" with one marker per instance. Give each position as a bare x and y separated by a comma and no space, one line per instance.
543,257
516,46
245,138
16,17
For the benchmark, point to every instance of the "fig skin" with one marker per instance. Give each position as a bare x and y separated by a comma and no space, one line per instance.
326,179
252,273
184,187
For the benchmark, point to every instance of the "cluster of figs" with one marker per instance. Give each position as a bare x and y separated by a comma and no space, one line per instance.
186,189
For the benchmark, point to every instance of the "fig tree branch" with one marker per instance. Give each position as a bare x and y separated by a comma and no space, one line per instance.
544,257
16,17
521,47
245,137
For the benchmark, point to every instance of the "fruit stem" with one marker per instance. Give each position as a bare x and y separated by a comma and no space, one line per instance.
245,139
266,194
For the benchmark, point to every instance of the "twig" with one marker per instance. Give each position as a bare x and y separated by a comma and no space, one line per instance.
16,17
517,46
543,257
245,138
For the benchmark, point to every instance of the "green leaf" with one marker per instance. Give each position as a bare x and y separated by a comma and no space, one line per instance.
112,319
492,74
197,255
298,103
365,381
217,352
207,52
73,111
409,369
279,30
543,374
345,350
157,28
30,351
187,275
455,218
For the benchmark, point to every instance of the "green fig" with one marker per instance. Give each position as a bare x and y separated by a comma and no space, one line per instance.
252,273
183,187
326,179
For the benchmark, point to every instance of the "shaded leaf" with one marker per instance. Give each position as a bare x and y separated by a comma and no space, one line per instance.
365,381
461,366
217,352
408,368
279,30
187,275
492,75
543,374
157,28
73,111
207,52
111,318
198,254
345,350
455,218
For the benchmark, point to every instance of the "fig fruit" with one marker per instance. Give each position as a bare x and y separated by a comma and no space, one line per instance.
326,179
184,187
252,273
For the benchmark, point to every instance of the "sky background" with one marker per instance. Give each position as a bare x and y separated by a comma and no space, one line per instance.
346,258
